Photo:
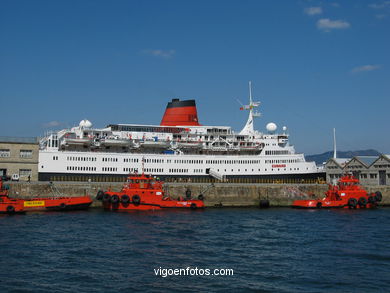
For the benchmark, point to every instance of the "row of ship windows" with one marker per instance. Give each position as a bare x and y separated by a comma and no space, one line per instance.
232,161
281,161
188,161
131,170
130,160
153,160
80,168
89,159
161,170
178,170
80,159
110,159
110,169
154,170
276,152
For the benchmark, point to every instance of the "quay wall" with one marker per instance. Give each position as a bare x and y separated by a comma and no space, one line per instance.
217,195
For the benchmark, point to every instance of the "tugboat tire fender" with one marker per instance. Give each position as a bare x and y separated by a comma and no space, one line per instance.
362,202
106,197
136,199
352,202
378,196
10,209
319,205
193,206
114,198
125,198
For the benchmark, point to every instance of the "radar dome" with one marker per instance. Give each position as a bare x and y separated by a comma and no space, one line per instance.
271,127
85,123
284,128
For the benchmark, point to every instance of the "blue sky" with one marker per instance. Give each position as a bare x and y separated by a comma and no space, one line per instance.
314,65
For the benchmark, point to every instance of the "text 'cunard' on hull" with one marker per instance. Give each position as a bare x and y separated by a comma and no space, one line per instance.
180,148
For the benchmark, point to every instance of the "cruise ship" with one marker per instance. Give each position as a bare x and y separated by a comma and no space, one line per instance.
180,148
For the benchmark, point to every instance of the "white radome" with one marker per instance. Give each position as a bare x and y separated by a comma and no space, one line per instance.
271,127
85,123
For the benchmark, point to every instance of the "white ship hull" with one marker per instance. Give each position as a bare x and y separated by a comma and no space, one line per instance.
97,165
179,148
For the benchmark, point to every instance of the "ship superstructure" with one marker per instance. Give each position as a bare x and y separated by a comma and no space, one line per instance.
180,147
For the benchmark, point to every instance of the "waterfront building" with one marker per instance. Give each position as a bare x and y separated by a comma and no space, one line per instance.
370,170
19,157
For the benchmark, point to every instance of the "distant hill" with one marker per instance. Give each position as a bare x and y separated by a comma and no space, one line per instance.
320,158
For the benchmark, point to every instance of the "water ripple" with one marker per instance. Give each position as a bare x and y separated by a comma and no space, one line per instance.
275,250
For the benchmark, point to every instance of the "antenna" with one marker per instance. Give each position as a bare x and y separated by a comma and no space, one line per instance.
334,144
250,92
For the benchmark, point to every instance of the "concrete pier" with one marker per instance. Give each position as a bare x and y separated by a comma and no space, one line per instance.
219,195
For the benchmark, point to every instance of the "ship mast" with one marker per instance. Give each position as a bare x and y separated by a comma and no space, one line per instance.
249,128
334,144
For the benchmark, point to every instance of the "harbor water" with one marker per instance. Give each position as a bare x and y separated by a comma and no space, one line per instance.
270,250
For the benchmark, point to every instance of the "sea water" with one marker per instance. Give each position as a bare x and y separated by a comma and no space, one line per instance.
270,250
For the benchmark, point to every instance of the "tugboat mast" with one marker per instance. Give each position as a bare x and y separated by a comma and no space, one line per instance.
334,144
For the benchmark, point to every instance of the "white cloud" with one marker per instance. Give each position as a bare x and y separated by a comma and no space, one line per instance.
160,53
313,10
381,5
51,124
365,68
327,25
380,16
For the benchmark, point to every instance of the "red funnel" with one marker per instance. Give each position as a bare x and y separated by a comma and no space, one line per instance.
180,113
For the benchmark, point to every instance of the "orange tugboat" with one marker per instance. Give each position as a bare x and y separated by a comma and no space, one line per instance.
143,192
346,194
12,205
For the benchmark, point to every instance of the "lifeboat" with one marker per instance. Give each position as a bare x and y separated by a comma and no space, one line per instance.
115,141
143,192
154,144
347,193
61,203
86,141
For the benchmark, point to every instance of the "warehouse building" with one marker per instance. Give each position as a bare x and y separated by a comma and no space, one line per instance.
19,158
370,170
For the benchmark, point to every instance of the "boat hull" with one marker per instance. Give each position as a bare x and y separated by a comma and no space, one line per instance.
326,204
347,193
144,192
44,204
147,206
